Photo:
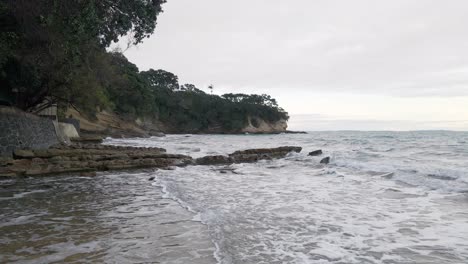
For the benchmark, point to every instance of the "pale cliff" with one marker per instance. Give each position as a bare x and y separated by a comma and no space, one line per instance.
113,125
260,126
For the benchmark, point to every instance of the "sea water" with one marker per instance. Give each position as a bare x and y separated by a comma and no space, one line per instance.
386,197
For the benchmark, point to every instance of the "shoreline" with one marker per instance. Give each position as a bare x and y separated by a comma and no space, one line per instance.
238,201
86,159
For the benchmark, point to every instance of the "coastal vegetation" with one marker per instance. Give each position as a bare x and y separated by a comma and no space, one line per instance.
57,53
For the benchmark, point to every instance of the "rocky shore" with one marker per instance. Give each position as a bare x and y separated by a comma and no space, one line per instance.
109,124
88,158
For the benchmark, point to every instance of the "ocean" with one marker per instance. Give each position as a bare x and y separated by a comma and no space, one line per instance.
385,197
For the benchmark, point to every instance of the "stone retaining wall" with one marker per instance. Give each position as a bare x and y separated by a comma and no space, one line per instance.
20,130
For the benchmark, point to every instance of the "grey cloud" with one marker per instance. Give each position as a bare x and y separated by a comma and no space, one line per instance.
398,47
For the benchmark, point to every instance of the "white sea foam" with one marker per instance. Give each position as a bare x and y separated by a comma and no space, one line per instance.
22,194
385,197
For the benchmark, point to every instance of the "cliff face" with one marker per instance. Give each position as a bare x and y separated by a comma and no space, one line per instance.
108,124
113,125
260,126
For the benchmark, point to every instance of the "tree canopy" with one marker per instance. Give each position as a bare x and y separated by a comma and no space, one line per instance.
55,51
48,46
161,79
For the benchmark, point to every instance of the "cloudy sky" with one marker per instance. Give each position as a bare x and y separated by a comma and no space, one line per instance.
332,64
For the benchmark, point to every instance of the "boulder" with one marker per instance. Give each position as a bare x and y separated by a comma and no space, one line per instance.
88,174
43,153
214,160
294,132
316,152
23,154
325,160
279,150
184,162
157,134
248,158
253,155
88,139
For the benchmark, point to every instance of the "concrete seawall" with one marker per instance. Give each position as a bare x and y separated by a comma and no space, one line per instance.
20,130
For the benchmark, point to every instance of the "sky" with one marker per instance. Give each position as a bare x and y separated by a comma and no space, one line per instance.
332,64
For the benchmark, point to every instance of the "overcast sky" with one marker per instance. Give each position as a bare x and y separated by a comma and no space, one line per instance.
361,64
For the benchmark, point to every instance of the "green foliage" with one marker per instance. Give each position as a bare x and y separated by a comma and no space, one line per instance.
120,17
189,109
47,47
56,50
127,89
161,79
8,36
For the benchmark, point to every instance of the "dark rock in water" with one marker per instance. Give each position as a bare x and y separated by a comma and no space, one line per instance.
294,132
158,134
88,174
253,155
88,139
279,150
151,178
86,158
316,153
442,177
247,156
213,160
325,160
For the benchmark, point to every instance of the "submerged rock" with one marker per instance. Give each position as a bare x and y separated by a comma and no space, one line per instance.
87,139
157,134
213,160
294,132
248,156
325,160
316,152
270,151
88,174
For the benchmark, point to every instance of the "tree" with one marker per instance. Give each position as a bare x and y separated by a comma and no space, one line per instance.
126,88
211,88
119,17
161,79
47,45
55,50
190,88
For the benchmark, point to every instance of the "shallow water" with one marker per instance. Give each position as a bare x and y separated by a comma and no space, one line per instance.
111,218
386,197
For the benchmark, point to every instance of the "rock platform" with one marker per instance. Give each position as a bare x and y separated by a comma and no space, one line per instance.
86,159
